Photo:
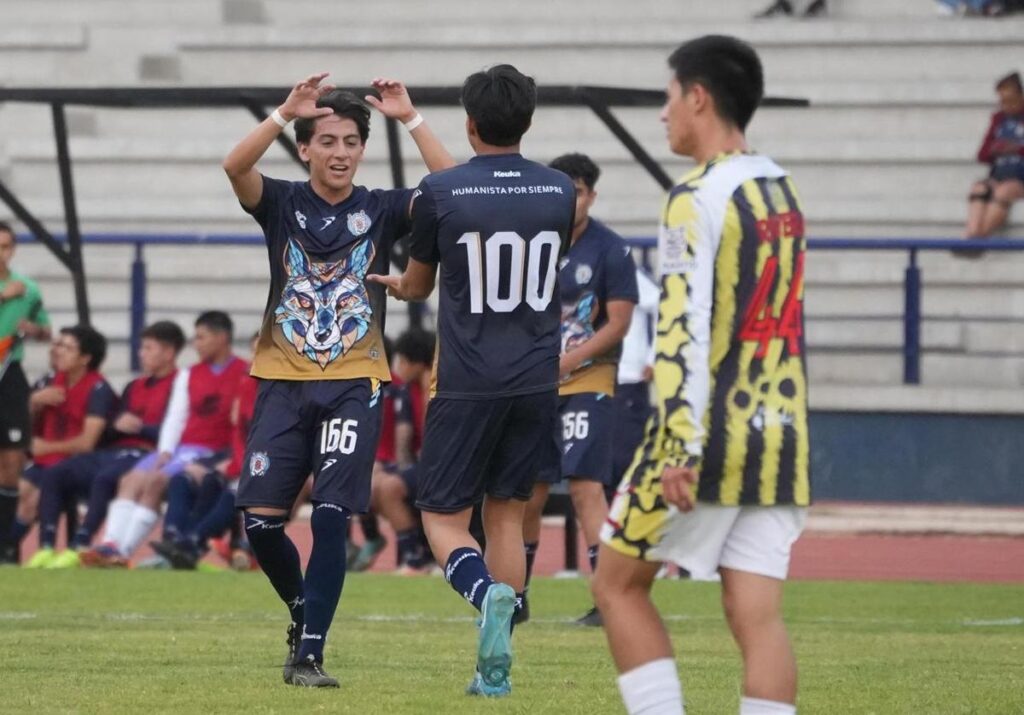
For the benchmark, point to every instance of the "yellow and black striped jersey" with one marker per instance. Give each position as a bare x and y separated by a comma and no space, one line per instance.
730,370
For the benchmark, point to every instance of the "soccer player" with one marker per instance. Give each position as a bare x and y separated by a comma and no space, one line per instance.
721,481
320,357
95,475
21,316
72,413
597,282
394,488
197,425
497,226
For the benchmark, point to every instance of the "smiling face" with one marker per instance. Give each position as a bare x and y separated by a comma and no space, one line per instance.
333,153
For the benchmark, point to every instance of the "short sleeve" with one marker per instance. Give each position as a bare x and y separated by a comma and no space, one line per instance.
423,242
102,401
396,209
274,193
37,312
620,274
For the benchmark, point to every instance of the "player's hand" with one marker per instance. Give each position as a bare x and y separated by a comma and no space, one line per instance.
648,374
677,487
301,101
392,283
14,289
568,363
49,396
394,100
128,423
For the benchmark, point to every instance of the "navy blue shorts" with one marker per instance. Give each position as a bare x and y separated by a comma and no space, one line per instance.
327,428
632,407
80,470
473,448
580,447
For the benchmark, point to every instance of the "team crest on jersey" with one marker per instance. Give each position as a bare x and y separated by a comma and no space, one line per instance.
324,308
259,463
583,274
359,223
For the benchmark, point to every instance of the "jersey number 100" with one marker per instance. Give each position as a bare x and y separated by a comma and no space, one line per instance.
521,267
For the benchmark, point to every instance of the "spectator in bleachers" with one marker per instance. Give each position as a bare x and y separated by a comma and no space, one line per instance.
94,476
22,317
975,8
394,485
201,499
784,8
71,414
1003,150
197,425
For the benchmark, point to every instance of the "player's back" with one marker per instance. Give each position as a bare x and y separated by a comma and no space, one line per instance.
502,223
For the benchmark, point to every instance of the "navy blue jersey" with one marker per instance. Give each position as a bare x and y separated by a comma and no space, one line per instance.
322,320
497,225
598,268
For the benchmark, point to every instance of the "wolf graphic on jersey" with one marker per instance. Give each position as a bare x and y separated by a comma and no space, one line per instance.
578,323
324,308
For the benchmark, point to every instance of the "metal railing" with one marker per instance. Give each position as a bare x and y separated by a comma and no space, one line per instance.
912,281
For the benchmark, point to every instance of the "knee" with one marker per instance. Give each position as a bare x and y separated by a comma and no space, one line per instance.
392,489
1007,192
154,488
747,615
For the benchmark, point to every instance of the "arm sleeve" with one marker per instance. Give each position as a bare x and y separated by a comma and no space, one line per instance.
399,212
423,242
177,414
273,192
620,274
682,370
37,312
102,401
985,155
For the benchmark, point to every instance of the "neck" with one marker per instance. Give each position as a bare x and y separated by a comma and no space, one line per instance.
163,371
220,358
331,196
488,150
5,273
579,229
75,374
722,139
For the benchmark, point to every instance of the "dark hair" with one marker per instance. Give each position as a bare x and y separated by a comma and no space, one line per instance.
579,167
216,320
416,346
6,228
728,68
90,342
166,332
1011,80
345,105
500,100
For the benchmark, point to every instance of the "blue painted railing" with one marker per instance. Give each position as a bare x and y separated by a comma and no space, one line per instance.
912,282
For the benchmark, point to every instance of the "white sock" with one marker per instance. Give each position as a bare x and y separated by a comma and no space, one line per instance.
118,515
756,706
652,689
143,519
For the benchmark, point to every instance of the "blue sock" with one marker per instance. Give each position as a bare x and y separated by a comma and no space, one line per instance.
467,573
181,496
278,558
325,576
592,555
531,555
410,548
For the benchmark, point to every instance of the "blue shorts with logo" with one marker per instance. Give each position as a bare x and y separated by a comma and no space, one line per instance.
580,447
327,428
477,448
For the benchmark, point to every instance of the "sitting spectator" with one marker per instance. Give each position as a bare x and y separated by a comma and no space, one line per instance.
71,414
21,316
95,476
197,426
784,8
975,8
394,485
201,499
1003,150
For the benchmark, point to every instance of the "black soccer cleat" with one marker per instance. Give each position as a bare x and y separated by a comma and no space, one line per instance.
294,638
522,614
180,557
591,618
309,673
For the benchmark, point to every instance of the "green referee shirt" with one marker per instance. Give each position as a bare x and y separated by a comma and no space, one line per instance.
28,306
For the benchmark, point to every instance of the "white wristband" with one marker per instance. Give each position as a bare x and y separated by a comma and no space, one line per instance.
414,122
278,119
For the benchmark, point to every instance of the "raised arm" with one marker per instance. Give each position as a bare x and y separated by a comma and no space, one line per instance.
395,103
240,164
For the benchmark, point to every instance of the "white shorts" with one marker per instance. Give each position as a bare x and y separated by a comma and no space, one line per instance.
754,539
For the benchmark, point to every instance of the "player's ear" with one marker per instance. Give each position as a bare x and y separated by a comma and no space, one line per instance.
303,151
470,127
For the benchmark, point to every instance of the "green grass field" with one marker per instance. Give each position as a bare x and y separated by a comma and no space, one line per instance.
207,643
